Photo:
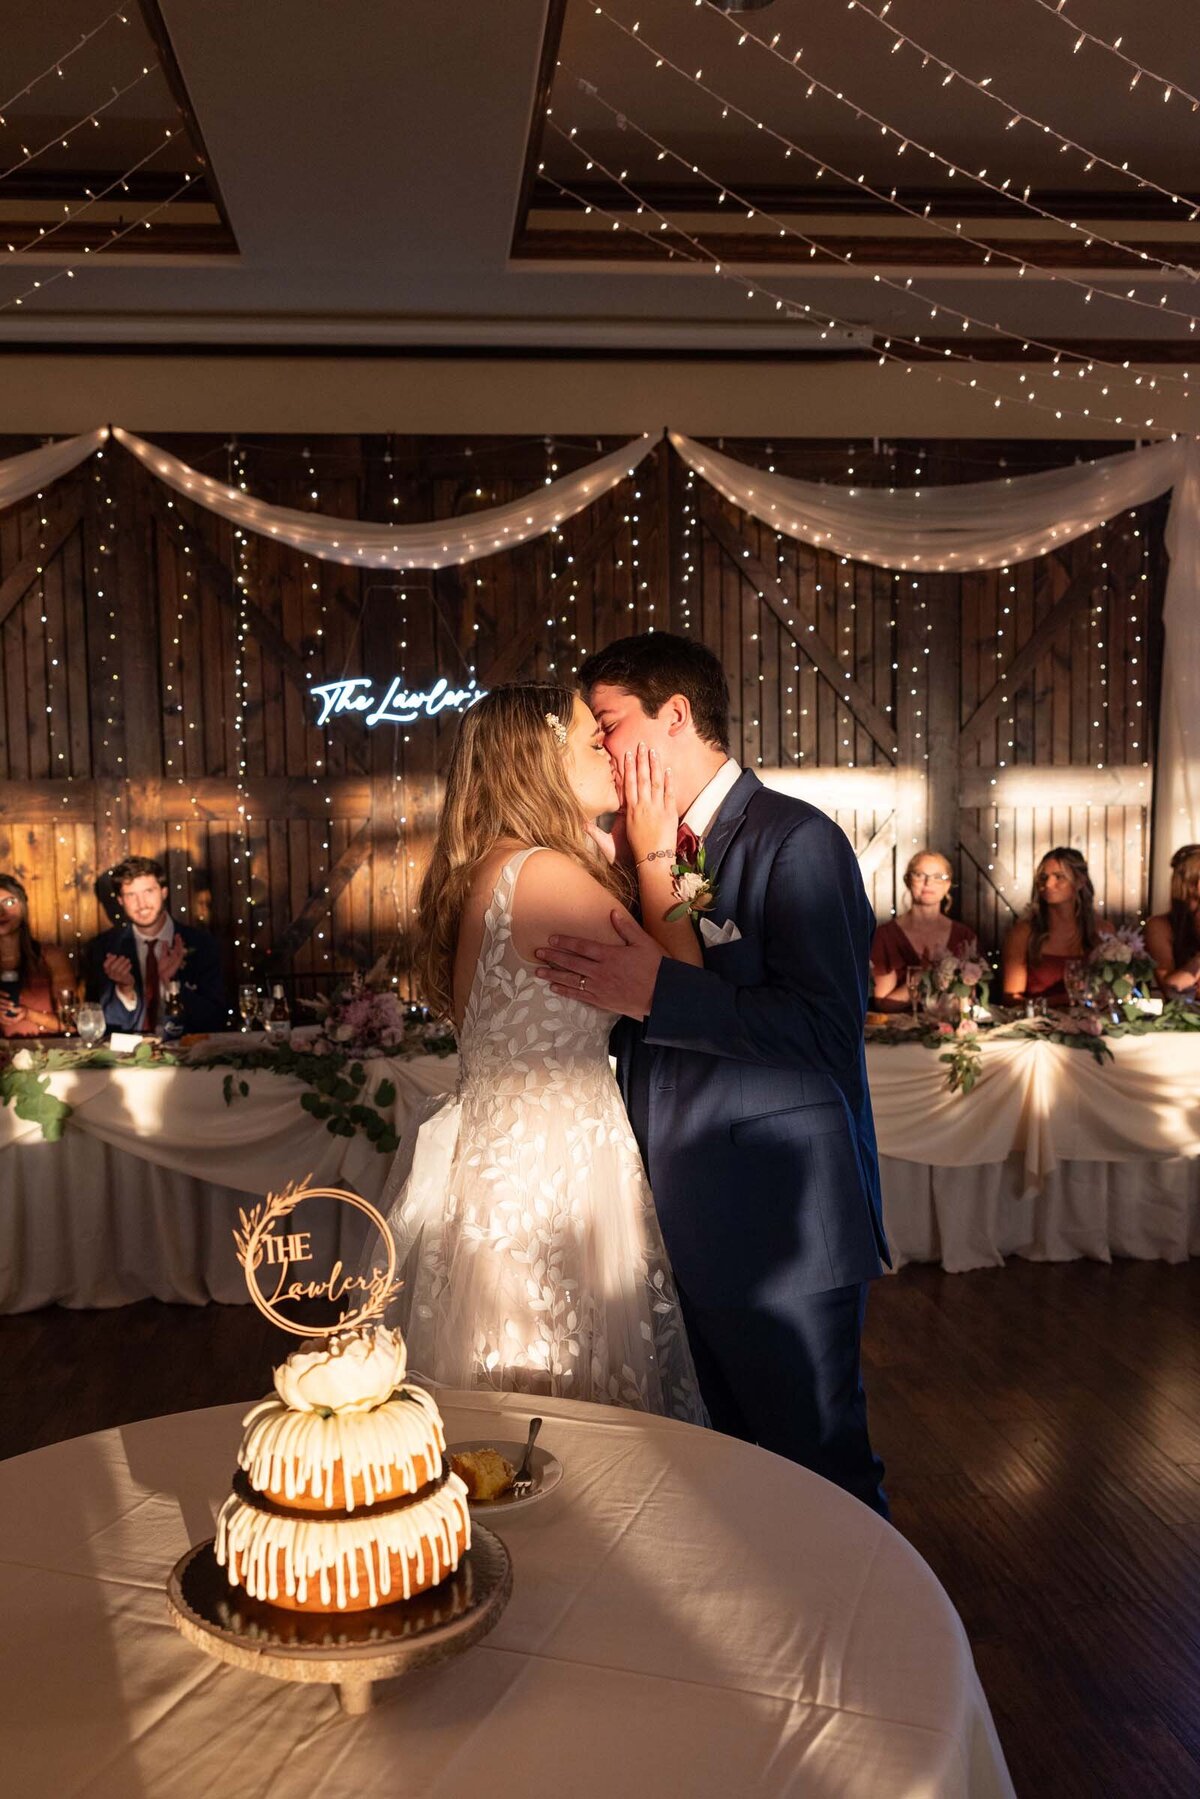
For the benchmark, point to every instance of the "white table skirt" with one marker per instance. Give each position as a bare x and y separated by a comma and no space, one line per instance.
690,1615
1052,1156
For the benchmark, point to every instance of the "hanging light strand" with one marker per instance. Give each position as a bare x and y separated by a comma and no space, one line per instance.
62,138
72,215
904,142
796,309
1017,114
70,273
56,67
904,288
1140,71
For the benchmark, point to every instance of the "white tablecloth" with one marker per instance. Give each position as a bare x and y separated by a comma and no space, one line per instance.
139,1197
690,1616
1052,1156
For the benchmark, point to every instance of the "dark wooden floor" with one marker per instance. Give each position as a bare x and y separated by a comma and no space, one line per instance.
1041,1427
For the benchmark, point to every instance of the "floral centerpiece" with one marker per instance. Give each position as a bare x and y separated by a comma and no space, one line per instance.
1119,971
368,1019
965,979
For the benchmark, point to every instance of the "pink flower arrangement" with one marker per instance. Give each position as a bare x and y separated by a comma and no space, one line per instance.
368,1021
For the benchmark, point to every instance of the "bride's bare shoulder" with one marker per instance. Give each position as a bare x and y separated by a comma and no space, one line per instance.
554,893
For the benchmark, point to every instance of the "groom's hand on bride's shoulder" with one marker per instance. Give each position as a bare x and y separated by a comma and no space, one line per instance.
615,977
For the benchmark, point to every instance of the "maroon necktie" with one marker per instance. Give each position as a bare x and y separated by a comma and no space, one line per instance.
687,844
150,1019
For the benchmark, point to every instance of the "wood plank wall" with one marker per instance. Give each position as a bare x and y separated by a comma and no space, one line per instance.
154,673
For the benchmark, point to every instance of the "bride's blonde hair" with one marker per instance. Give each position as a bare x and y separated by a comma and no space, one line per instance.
507,779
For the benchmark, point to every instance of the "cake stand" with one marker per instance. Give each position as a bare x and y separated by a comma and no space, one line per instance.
351,1650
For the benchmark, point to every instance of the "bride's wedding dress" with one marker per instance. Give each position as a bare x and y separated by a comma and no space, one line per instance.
525,1226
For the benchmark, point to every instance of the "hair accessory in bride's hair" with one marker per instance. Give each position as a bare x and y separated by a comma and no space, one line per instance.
557,726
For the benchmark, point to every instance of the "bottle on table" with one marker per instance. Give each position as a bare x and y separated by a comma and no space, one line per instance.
279,1019
171,1025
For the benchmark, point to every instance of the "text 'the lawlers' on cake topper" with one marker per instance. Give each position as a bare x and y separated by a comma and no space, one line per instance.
261,1245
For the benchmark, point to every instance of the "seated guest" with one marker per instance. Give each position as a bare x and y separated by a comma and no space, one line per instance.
1173,938
128,967
33,975
1059,927
919,935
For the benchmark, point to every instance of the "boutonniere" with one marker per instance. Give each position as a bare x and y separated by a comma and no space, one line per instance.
693,887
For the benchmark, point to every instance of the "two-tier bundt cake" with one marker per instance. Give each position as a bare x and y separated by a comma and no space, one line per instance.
343,1499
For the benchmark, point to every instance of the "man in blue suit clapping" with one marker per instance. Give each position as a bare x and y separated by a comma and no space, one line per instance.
128,968
745,1079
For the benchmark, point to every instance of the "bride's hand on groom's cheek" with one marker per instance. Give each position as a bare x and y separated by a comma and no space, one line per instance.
648,797
613,977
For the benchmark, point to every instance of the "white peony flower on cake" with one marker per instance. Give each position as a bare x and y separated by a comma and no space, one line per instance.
350,1373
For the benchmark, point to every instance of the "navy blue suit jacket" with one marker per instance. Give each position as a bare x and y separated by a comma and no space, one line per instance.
201,983
746,1085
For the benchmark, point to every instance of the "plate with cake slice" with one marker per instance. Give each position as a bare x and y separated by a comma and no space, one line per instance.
487,1469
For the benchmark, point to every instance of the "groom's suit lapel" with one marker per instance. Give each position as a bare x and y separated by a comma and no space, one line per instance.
728,822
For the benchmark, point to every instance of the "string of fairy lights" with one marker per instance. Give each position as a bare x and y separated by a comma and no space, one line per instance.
990,251
1017,115
1167,89
569,620
949,72
906,288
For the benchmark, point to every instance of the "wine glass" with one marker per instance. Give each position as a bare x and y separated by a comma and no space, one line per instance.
1075,981
249,1004
91,1023
912,980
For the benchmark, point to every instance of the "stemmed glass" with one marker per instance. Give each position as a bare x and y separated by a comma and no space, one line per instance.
1075,981
68,1010
91,1023
912,980
249,1004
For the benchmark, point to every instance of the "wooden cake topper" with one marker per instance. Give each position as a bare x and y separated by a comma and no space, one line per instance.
258,1244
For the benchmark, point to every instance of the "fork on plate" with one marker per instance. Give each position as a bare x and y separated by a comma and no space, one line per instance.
522,1485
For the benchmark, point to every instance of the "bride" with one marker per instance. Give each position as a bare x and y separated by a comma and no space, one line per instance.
531,1251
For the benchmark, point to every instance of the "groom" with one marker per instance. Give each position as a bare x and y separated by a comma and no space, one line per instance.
745,1080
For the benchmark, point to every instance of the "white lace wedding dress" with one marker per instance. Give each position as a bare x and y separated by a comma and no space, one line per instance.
525,1226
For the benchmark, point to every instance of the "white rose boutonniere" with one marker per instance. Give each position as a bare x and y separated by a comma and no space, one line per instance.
693,887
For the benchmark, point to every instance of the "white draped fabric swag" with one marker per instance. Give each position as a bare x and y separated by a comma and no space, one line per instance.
434,545
978,525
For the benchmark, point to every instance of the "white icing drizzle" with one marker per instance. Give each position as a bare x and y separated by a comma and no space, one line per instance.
255,1546
299,1452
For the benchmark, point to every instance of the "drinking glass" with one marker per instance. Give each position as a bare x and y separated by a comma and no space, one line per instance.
68,1010
1075,981
91,1023
249,1004
913,979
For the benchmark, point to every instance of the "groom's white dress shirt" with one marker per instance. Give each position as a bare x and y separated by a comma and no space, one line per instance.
708,801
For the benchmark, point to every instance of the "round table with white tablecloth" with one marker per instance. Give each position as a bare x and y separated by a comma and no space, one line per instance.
690,1615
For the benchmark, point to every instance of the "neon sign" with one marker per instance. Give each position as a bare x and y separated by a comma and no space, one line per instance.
400,705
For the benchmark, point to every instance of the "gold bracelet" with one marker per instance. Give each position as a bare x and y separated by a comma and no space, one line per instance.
655,856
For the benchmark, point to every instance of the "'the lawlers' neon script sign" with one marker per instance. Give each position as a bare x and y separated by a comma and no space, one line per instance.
400,705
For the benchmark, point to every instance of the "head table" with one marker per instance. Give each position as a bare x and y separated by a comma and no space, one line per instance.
689,1615
1051,1156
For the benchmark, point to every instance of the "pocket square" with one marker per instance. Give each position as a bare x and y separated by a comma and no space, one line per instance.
715,935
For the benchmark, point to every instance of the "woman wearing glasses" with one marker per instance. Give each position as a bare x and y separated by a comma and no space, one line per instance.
31,973
921,933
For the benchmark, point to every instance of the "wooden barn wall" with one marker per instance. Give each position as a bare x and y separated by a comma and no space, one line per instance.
154,670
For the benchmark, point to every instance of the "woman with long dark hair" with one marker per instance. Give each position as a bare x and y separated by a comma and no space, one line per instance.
1173,937
1060,926
32,975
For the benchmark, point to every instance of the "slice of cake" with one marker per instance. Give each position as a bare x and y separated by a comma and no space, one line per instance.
342,1499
